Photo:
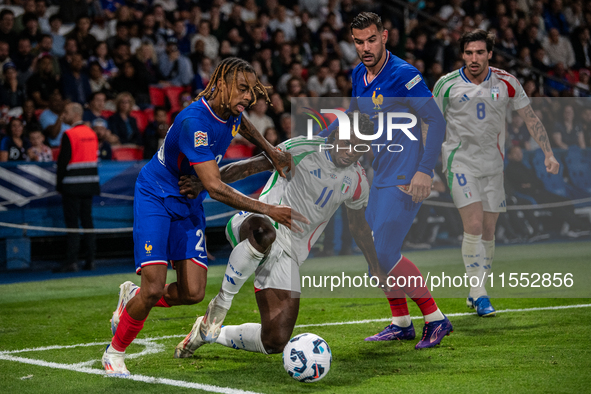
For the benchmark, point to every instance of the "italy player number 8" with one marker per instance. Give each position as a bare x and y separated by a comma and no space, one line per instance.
480,111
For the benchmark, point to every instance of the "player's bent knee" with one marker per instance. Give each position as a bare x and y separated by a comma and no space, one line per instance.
151,295
274,345
265,238
193,298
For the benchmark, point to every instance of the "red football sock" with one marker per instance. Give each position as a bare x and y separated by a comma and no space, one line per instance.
162,302
127,330
419,294
397,300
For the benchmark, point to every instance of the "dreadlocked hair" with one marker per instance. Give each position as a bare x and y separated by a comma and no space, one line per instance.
234,65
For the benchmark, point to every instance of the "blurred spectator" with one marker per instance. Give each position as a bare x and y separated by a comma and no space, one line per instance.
175,68
101,56
99,126
59,41
75,84
574,14
14,146
253,44
31,29
121,35
42,17
182,37
581,44
525,181
71,47
348,49
285,126
28,116
131,81
12,93
70,10
276,109
558,49
51,120
270,135
97,80
586,123
121,123
257,117
295,71
4,58
554,18
582,87
96,106
558,87
146,55
518,133
568,131
42,83
7,34
45,45
283,22
322,83
155,132
24,60
39,151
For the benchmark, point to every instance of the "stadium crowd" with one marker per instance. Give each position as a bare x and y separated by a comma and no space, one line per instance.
134,64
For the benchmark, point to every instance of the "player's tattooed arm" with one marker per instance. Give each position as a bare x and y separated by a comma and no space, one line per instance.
538,132
190,186
361,233
209,174
248,131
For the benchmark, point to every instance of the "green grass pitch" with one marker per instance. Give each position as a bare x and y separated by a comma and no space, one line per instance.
539,350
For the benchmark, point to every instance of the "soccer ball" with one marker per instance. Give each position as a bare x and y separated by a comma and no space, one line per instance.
307,358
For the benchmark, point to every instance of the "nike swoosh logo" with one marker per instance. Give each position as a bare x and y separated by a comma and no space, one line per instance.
434,335
202,257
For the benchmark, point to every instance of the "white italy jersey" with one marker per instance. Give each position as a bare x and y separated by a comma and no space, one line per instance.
476,115
316,190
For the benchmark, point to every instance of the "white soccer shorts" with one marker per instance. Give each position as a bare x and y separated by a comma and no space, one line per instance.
467,189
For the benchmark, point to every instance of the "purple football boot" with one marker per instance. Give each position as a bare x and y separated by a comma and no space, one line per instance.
434,332
393,332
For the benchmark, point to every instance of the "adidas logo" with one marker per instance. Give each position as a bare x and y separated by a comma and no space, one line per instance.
464,99
316,173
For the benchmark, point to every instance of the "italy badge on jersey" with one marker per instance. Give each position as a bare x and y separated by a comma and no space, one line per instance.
494,91
346,185
200,138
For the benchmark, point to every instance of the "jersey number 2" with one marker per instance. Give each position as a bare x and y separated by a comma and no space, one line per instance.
199,246
480,111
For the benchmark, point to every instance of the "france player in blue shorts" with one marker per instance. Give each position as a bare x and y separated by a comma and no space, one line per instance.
402,180
169,227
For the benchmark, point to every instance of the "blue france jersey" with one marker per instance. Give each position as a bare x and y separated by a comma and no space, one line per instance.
196,136
398,87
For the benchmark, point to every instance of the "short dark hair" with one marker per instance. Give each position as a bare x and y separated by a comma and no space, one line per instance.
5,12
29,16
160,109
55,17
365,20
477,35
366,126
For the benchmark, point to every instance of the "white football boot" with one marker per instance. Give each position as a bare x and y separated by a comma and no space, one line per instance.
127,291
114,363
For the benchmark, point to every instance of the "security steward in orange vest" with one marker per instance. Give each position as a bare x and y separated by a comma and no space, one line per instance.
78,182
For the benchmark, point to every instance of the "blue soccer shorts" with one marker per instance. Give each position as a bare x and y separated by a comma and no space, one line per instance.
390,213
167,229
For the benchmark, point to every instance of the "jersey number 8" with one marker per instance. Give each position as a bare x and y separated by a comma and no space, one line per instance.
480,111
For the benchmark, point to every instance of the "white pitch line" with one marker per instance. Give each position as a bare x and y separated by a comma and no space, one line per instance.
155,348
137,378
546,308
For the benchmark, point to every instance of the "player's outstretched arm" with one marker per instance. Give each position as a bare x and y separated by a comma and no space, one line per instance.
248,131
538,132
361,233
190,186
209,174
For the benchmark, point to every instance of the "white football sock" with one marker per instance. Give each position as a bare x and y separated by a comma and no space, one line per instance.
488,255
471,253
243,262
401,321
434,316
246,336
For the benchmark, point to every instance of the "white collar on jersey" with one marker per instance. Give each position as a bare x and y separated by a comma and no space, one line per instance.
379,72
465,78
211,111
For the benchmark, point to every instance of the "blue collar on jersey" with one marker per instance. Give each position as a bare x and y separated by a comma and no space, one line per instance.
327,153
465,78
211,111
379,72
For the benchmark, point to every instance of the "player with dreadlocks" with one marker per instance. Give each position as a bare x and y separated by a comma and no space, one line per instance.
170,227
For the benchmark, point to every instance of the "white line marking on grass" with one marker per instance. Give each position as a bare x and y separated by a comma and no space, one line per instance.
546,308
137,378
152,348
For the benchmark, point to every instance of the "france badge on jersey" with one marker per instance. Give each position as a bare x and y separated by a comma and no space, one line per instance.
200,138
